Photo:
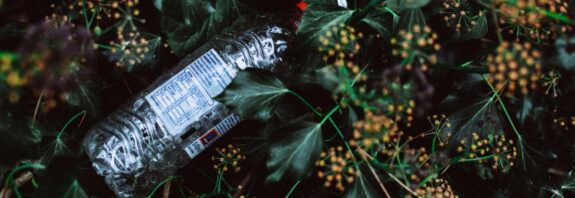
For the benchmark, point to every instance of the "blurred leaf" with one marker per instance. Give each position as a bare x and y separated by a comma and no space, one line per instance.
399,5
317,19
294,153
190,23
253,94
18,139
361,188
61,179
472,115
158,4
85,97
478,30
525,110
376,19
566,54
327,77
410,18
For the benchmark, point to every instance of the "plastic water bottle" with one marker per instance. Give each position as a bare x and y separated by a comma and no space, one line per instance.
161,129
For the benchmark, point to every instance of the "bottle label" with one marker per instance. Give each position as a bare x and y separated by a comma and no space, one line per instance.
187,96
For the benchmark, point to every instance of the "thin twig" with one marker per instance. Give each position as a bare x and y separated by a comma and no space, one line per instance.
128,86
167,186
37,107
7,190
402,184
243,184
364,157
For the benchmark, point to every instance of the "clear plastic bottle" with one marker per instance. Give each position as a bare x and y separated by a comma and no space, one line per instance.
161,129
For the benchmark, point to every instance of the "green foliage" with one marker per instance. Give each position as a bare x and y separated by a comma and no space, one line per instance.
565,56
406,4
189,23
362,188
318,19
292,155
478,30
254,94
85,97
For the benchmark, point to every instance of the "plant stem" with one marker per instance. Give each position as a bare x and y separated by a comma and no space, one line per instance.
10,177
519,137
305,102
68,123
293,188
161,184
328,116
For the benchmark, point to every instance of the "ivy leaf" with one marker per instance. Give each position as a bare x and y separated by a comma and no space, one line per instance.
361,188
478,30
19,139
476,118
525,111
85,97
327,77
318,19
566,54
61,179
474,113
377,20
253,94
294,152
410,18
189,23
158,4
399,5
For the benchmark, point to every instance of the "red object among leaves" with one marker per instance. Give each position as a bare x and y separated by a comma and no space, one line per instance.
302,5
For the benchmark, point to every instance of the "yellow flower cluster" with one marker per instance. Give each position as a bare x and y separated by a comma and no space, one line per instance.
516,67
530,17
228,158
130,49
436,188
458,15
336,168
438,124
375,130
417,47
11,76
565,122
101,11
340,46
498,150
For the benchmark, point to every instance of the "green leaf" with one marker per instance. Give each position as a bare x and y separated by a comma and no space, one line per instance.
411,17
75,191
190,23
361,188
253,94
525,110
294,153
478,30
565,55
399,5
327,77
478,117
318,19
85,97
158,4
378,20
19,139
